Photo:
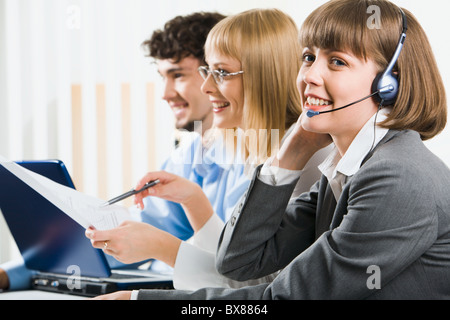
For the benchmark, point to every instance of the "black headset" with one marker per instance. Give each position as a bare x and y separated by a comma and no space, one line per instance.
386,83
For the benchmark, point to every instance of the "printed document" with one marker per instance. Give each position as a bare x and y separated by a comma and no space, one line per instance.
84,209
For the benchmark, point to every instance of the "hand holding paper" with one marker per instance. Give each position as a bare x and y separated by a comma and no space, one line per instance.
85,210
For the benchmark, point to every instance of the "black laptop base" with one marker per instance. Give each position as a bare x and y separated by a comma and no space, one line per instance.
88,288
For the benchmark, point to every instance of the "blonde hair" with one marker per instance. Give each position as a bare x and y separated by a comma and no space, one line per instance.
421,103
265,41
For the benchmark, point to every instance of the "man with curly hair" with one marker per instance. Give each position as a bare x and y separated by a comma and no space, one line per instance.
178,52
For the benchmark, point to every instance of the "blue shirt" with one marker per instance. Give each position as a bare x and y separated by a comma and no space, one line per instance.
221,177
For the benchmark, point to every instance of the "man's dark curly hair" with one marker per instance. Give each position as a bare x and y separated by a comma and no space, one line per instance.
182,36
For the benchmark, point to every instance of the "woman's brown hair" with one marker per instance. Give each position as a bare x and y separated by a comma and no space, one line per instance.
421,103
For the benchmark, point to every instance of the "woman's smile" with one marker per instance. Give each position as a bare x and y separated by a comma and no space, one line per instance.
316,103
219,106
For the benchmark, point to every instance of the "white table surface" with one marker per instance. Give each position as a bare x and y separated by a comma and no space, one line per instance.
38,295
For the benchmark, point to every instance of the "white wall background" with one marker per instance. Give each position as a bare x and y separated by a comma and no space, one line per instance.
46,46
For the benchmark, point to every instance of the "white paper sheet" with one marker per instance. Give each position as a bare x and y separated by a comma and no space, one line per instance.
84,209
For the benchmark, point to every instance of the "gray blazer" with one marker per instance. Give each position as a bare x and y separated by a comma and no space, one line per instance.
387,237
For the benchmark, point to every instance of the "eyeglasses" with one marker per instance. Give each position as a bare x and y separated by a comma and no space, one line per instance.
217,75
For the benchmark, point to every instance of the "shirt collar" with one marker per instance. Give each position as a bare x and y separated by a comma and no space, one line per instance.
364,141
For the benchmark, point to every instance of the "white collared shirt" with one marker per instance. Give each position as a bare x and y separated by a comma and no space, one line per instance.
338,169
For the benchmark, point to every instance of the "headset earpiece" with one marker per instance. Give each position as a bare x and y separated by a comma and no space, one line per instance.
387,87
386,83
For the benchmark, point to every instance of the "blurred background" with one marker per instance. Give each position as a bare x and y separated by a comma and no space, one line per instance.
75,84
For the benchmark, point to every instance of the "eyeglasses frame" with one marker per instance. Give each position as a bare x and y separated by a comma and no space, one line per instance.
217,75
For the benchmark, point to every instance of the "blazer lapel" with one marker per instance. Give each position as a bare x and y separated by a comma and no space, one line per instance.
387,137
325,209
330,213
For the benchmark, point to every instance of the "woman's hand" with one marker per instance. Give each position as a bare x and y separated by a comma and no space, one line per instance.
177,189
171,187
4,280
118,295
136,241
299,147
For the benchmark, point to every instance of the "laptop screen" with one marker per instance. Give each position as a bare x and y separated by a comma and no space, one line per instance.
47,238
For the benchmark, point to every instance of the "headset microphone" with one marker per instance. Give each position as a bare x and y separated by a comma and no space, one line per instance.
311,113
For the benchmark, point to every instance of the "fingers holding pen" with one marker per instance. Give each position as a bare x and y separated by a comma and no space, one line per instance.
153,191
170,187
163,176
